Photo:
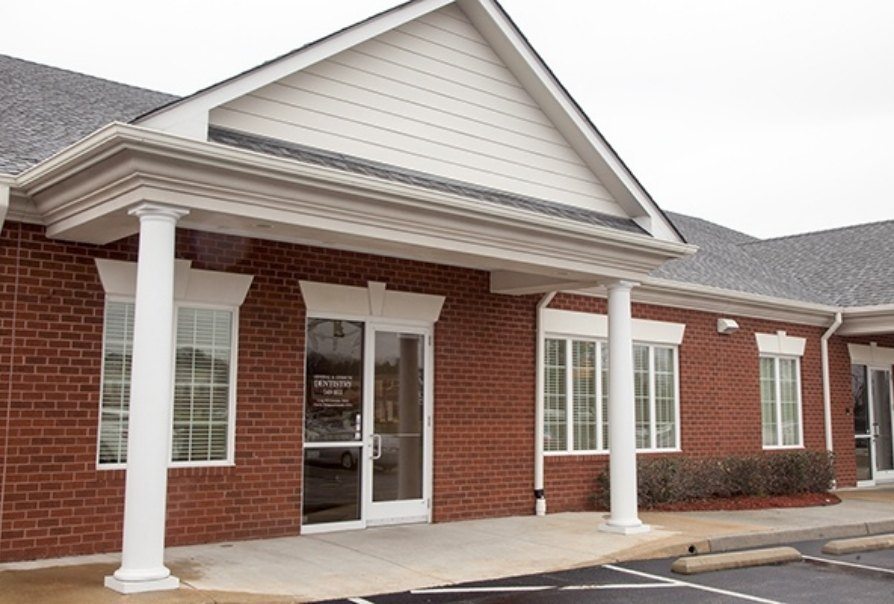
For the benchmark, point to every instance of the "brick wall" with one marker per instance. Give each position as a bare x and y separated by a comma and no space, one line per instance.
57,503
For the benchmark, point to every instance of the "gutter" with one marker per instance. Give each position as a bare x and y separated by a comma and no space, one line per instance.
827,388
539,493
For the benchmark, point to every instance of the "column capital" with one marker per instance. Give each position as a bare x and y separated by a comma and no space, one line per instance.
621,284
148,210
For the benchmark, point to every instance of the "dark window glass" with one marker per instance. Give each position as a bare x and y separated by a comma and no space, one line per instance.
861,399
334,381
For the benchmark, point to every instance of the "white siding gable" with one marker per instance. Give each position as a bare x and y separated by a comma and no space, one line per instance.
431,96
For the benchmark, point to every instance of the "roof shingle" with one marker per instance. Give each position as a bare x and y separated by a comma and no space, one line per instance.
44,109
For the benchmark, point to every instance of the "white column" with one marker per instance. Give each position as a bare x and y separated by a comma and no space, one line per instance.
148,439
621,414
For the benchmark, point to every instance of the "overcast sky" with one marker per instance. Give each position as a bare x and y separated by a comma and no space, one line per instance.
770,116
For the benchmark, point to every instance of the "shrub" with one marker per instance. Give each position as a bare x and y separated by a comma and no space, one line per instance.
676,479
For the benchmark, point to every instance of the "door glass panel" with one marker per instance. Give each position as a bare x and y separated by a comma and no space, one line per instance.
331,484
864,458
861,399
398,415
334,381
881,407
333,414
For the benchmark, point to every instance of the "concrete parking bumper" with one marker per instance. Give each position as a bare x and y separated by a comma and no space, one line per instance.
861,544
756,557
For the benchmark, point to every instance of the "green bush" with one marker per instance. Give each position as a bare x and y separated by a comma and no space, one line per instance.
676,479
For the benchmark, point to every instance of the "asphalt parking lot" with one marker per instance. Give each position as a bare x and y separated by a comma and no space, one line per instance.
859,577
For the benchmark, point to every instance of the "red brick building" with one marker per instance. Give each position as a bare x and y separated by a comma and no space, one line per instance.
377,281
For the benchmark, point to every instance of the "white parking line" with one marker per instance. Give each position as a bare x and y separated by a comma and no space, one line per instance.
619,586
715,590
359,601
481,590
876,569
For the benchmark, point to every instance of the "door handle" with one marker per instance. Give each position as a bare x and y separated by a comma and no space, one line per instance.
875,431
376,447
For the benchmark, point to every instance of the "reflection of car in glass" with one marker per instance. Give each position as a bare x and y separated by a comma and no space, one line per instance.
345,457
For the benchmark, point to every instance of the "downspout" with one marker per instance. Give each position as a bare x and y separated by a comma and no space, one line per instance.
827,389
539,494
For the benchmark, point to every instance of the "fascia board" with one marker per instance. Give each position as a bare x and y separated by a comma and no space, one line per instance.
675,294
116,137
867,320
510,44
199,104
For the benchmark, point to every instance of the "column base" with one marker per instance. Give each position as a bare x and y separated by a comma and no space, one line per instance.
135,587
624,529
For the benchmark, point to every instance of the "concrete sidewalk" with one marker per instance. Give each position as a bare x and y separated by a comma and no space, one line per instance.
389,559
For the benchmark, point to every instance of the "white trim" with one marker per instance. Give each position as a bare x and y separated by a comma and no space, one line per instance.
538,80
189,116
191,285
780,344
590,325
4,202
193,288
871,356
372,302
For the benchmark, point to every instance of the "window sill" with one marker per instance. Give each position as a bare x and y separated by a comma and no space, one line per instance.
605,453
173,465
782,447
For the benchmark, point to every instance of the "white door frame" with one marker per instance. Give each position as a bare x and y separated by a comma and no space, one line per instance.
880,475
398,512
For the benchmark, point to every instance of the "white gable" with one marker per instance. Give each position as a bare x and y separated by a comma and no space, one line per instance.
430,95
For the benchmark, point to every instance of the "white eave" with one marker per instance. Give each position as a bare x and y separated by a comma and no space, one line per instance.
81,192
189,116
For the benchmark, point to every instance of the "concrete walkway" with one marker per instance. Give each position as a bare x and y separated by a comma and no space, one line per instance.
389,559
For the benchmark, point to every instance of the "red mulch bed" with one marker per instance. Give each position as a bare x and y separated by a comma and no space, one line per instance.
801,500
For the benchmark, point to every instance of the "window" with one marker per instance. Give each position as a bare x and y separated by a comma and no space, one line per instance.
202,427
576,396
780,401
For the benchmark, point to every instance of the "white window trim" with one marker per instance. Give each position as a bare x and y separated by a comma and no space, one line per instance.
193,288
569,396
777,388
231,407
780,344
877,357
581,325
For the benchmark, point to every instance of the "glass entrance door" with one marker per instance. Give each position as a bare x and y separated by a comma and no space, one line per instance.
873,426
367,425
397,416
880,397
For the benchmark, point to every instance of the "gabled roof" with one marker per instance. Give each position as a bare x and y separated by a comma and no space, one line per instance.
189,116
44,109
849,266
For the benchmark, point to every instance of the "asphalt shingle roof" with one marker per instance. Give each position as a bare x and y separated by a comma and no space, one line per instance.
350,163
44,109
850,266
